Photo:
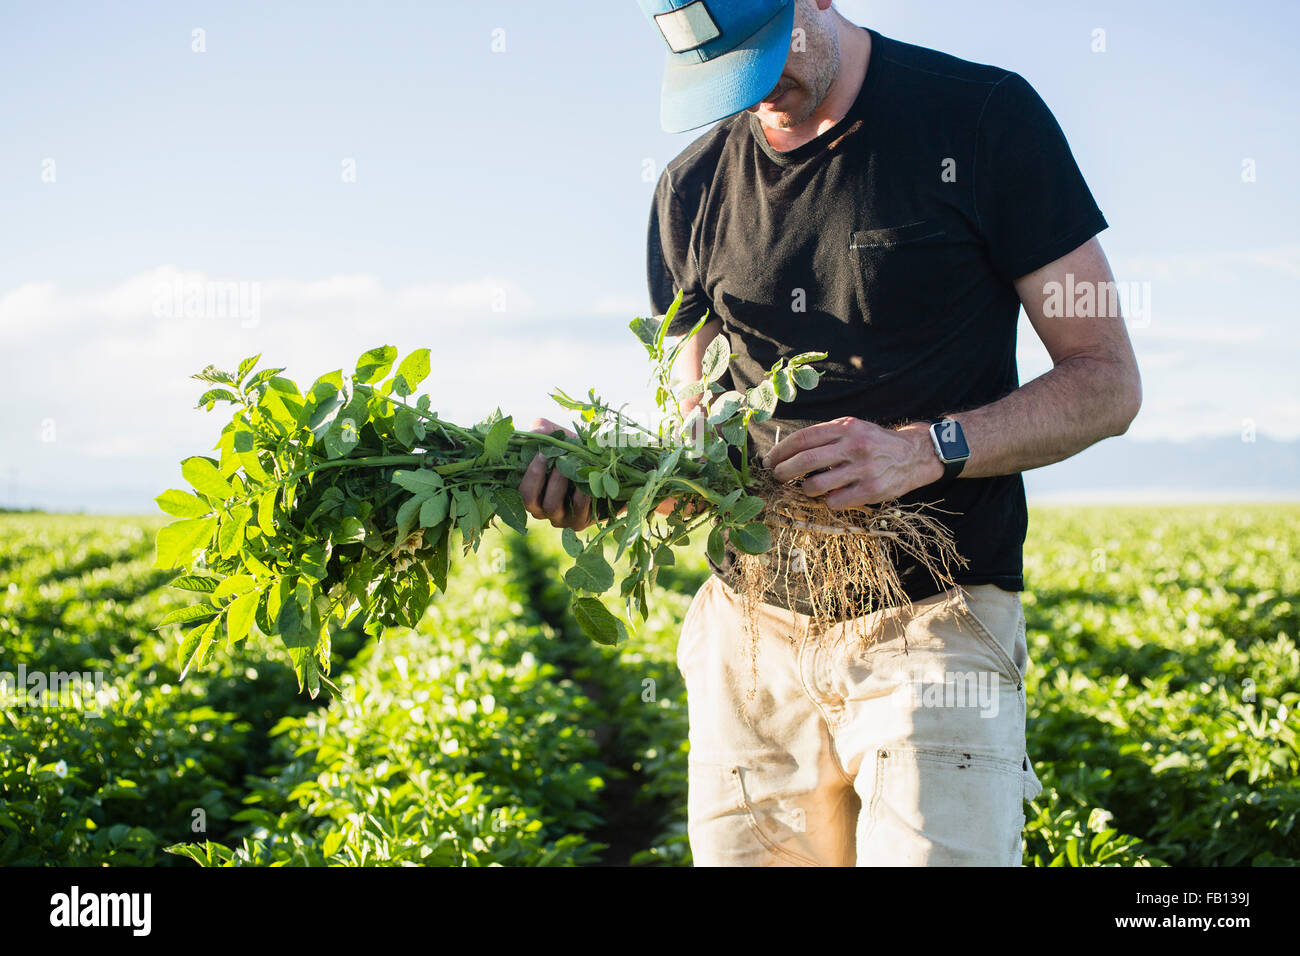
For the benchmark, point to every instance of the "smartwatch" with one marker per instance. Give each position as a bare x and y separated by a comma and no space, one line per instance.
950,445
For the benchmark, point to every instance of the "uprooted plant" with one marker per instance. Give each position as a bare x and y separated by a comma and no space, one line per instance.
348,501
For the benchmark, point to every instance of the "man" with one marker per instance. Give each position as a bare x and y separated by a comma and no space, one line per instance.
894,207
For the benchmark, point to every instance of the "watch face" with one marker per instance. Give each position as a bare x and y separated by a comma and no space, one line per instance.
951,440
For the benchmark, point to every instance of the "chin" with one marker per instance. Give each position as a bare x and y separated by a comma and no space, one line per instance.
792,115
779,120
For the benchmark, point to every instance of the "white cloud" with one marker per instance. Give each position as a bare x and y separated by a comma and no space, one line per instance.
33,312
115,377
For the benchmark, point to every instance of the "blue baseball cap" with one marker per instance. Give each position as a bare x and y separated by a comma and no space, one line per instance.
723,56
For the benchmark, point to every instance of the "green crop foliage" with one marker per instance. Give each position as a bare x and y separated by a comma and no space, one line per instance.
1162,689
348,502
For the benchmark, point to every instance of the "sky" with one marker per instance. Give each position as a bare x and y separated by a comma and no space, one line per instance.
476,178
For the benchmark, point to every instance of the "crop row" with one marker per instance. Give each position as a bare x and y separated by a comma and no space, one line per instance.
1162,691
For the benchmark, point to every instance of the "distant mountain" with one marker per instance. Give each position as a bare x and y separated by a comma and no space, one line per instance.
1206,469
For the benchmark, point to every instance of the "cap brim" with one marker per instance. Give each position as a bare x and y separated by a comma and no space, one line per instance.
697,93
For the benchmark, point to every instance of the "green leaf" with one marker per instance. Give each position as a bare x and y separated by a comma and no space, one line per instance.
333,843
762,398
438,562
567,465
724,407
350,529
717,546
468,514
296,637
243,439
344,431
189,643
669,316
182,504
591,572
214,395
805,377
420,481
746,509
286,387
204,476
573,545
176,543
784,386
647,330
328,400
671,357
597,622
328,383
494,445
253,467
194,582
404,422
235,584
434,510
803,358
266,513
510,508
573,404
230,538
734,432
407,516
200,639
413,370
281,410
262,377
752,538
375,364
247,365
207,634
187,615
312,563
716,358
239,616
215,376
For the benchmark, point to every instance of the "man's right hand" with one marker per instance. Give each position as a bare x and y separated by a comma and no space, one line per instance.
545,494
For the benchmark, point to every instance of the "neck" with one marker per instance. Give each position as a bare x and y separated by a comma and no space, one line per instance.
855,55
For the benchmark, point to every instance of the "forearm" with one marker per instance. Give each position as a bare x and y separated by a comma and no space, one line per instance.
1080,401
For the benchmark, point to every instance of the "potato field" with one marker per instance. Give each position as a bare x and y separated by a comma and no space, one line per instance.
1162,696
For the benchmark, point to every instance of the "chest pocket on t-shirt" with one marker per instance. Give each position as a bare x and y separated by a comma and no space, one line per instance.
896,269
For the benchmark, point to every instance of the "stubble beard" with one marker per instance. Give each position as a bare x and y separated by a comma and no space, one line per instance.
815,94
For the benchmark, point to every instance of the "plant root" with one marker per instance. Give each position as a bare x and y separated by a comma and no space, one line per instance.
847,559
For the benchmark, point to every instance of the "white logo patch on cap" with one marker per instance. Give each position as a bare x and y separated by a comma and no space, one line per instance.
690,27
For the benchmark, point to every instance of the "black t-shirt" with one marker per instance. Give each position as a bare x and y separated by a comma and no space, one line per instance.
891,241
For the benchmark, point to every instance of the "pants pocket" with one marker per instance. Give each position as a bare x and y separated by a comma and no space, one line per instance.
782,823
941,807
728,828
969,618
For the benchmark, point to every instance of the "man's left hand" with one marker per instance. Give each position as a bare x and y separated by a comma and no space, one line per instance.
853,462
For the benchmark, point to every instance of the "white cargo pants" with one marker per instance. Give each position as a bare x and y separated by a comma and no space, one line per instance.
910,752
